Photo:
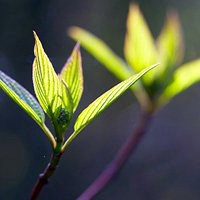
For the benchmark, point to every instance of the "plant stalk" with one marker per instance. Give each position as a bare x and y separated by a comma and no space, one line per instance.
120,159
43,178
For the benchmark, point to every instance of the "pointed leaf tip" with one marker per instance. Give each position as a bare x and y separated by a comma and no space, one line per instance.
77,46
101,103
51,92
170,45
139,47
73,76
106,99
101,51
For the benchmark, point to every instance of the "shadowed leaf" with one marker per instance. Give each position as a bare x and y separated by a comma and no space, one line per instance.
22,97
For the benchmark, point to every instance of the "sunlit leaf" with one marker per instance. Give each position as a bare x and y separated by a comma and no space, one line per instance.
51,91
170,45
106,56
22,97
101,52
106,99
102,102
139,50
183,78
73,76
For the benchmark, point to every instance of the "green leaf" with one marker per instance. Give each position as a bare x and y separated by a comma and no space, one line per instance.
139,49
102,102
22,97
101,52
73,76
170,45
51,91
184,77
49,88
108,58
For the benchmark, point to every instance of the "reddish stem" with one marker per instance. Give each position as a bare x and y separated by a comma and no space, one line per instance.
44,177
122,156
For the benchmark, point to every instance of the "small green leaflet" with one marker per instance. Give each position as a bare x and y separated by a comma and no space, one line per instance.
170,46
22,97
183,78
102,102
73,76
139,49
50,90
101,52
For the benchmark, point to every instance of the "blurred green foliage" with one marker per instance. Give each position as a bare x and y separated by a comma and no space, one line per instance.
141,50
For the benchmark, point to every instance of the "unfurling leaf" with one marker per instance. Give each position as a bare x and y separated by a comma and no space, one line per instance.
102,102
139,50
170,46
184,77
51,91
22,97
73,76
101,52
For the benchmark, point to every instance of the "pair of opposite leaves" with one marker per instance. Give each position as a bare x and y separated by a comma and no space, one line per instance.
59,95
141,50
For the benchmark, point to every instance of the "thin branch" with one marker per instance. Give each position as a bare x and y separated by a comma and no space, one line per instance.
122,156
43,178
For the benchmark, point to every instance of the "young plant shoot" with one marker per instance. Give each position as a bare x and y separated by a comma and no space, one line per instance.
58,97
140,49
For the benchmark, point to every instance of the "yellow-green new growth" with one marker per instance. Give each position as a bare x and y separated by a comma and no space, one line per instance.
102,102
72,74
49,88
141,50
59,95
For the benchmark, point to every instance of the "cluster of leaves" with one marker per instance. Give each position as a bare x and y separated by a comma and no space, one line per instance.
141,50
59,95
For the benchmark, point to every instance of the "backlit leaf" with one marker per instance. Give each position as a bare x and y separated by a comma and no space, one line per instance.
139,50
101,52
22,97
184,77
73,76
51,91
170,45
49,88
102,102
109,59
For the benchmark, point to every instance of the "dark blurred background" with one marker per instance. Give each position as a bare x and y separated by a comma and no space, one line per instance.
167,163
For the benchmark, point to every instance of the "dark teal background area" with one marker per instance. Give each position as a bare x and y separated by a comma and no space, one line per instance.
166,165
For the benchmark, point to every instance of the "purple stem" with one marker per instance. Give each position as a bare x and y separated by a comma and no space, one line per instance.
120,159
44,177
